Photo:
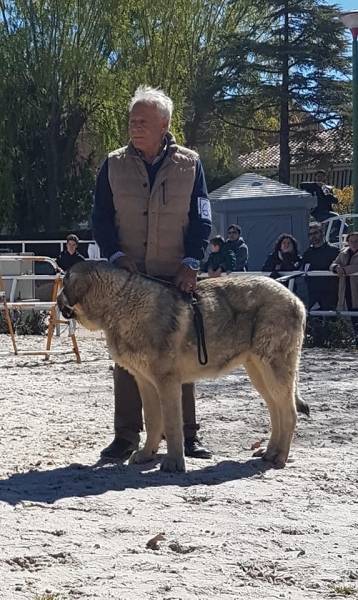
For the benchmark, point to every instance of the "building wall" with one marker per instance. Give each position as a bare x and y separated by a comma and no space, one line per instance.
261,228
340,176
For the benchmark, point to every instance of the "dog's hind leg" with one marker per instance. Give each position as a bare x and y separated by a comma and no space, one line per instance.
153,422
259,384
278,376
169,388
301,406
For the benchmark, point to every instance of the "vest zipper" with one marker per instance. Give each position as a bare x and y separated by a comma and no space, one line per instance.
164,194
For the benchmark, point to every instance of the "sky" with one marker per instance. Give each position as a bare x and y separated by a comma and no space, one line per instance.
346,4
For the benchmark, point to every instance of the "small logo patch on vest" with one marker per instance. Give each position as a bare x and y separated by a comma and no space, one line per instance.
204,208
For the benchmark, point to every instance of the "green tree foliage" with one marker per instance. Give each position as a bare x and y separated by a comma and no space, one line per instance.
56,53
294,62
69,70
70,67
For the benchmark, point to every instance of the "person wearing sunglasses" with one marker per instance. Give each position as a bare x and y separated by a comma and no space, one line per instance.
322,291
236,243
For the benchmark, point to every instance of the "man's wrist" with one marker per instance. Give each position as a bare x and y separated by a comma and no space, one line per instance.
193,263
115,256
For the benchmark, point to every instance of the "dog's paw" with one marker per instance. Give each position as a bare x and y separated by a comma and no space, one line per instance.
138,457
173,465
277,458
259,452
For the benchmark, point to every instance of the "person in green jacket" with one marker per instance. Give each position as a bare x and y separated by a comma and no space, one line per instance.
220,260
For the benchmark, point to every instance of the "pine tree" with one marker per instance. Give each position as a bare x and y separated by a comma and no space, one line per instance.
296,58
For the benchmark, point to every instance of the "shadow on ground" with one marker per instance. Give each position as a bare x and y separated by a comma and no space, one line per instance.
78,480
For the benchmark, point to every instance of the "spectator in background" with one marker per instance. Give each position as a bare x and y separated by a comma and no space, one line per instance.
220,260
324,194
236,243
70,256
319,257
325,198
285,256
345,265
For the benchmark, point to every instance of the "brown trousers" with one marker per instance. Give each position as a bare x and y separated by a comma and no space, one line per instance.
128,420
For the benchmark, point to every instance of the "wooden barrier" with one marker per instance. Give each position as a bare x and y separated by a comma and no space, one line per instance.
37,305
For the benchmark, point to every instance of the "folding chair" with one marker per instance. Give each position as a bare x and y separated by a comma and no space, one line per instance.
53,321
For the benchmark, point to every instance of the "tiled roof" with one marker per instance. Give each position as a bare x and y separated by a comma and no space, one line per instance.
329,145
251,185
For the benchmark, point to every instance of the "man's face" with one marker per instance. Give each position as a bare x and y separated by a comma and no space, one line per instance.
353,243
232,234
71,246
146,128
320,178
214,248
316,237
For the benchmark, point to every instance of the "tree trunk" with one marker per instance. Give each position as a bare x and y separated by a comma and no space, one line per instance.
285,159
54,201
54,215
192,128
51,142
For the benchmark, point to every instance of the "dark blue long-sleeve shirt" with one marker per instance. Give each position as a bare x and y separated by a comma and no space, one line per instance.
103,214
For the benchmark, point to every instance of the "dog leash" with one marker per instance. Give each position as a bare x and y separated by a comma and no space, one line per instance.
199,330
197,320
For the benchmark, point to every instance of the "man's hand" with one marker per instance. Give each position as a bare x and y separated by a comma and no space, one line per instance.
186,278
217,273
127,263
339,271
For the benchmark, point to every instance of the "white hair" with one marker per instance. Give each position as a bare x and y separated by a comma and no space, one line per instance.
150,95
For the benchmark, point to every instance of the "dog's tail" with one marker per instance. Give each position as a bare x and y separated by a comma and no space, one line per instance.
302,406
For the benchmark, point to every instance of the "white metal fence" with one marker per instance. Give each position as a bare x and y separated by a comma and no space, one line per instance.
25,243
289,276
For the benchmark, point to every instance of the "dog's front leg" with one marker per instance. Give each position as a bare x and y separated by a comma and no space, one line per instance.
153,422
170,396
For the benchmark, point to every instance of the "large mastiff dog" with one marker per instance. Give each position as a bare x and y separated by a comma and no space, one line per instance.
251,321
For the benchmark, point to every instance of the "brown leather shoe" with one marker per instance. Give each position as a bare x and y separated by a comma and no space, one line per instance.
119,449
194,448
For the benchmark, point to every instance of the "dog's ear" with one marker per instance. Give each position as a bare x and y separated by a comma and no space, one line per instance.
76,285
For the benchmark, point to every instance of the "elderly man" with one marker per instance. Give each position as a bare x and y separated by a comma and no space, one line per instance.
151,214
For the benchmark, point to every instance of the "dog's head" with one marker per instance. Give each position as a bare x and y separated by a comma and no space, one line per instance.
81,292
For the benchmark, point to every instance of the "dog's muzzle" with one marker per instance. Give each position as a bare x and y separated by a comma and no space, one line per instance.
68,313
66,310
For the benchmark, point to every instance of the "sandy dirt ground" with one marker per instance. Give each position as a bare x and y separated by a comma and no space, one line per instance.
73,528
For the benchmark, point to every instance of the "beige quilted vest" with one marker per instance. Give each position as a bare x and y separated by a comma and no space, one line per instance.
152,224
